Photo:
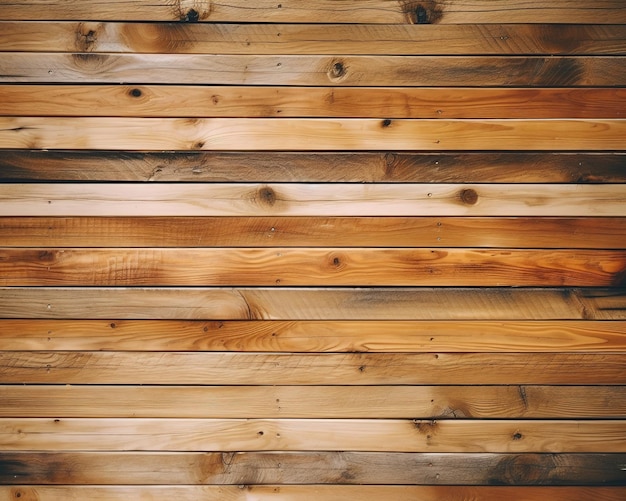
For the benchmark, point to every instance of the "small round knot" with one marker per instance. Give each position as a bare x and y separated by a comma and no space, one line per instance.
469,196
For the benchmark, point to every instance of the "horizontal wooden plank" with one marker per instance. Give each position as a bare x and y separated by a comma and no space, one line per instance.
305,492
314,304
288,468
311,199
314,336
373,435
264,102
323,11
408,402
314,70
288,266
191,38
259,166
281,231
311,369
306,133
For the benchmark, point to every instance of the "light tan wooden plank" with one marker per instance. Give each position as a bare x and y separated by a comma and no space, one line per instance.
314,336
458,435
267,231
311,369
313,70
368,102
287,266
310,199
423,402
303,134
323,11
189,468
264,167
191,38
314,304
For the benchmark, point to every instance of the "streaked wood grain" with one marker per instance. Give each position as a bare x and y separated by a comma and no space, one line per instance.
314,70
296,231
189,368
314,336
410,402
191,38
367,102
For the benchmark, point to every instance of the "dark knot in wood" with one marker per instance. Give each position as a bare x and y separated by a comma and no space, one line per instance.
469,196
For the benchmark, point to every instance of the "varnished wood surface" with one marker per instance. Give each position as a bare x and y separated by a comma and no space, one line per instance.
190,368
337,402
257,101
306,492
315,304
286,231
324,11
311,267
190,38
311,199
313,70
314,336
136,468
264,167
457,435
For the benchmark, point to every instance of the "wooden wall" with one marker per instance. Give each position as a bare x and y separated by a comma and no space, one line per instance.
332,250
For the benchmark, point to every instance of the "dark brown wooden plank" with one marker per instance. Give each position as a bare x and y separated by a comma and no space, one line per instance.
285,266
314,70
314,336
337,402
314,304
258,166
366,102
191,38
347,468
279,231
323,11
311,369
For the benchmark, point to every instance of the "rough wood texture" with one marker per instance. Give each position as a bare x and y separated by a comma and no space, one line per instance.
192,38
313,70
136,468
189,368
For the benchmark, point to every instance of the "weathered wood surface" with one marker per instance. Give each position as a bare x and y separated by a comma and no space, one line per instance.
280,492
313,70
295,231
315,304
264,167
456,435
311,199
323,11
190,38
191,368
346,468
311,267
264,102
314,336
337,402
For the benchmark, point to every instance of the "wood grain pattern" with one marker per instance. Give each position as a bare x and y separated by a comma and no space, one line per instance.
319,492
314,336
311,267
313,70
191,38
344,468
189,368
296,231
337,402
324,11
265,167
314,304
458,435
312,199
267,102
